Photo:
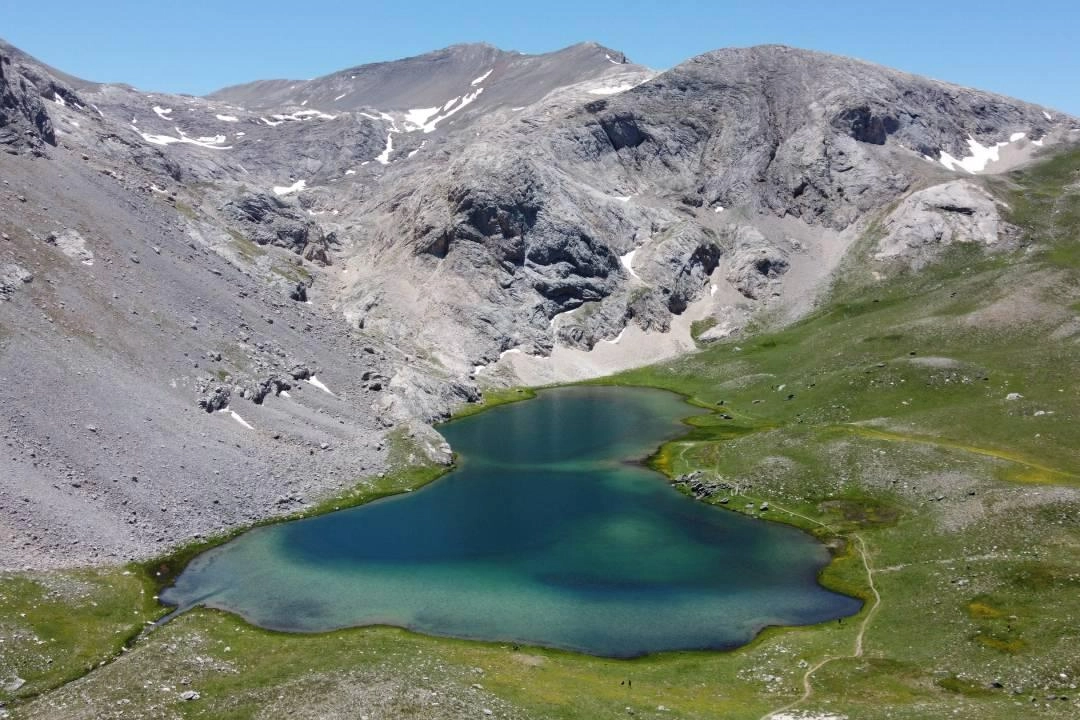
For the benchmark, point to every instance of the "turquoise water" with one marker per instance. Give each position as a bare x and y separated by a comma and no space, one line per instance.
546,534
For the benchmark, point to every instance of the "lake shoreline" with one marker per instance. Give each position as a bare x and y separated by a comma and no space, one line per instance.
655,413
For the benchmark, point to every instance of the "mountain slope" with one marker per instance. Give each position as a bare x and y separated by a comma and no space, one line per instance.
580,214
737,179
433,79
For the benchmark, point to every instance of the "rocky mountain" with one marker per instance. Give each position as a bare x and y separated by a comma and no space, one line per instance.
217,309
446,81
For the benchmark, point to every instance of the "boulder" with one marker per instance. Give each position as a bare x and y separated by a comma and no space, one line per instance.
216,399
928,221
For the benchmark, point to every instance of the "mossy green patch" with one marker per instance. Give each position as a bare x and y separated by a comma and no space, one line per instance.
58,626
492,398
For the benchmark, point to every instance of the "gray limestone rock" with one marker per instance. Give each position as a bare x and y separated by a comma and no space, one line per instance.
928,221
12,277
216,399
272,221
24,122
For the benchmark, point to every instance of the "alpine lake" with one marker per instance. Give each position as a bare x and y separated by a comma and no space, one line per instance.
550,532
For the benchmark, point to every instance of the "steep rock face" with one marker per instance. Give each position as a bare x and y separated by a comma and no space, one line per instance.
24,122
790,132
688,171
272,221
930,220
679,261
755,263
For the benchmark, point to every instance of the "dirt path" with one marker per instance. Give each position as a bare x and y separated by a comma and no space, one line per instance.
857,651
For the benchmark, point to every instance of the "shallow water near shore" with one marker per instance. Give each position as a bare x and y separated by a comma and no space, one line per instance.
546,534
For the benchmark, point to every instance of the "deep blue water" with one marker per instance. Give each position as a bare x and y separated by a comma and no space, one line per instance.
546,534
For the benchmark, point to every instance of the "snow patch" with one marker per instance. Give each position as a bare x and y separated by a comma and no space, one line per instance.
163,113
350,172
227,118
236,416
59,100
628,262
384,156
623,198
210,143
319,384
417,117
482,78
617,337
298,116
720,208
422,144
612,60
1017,136
981,155
287,189
340,96
285,394
1038,143
611,90
1048,116
511,351
428,126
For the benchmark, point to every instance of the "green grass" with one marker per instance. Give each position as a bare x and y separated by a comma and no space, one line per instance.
245,246
56,627
700,327
186,210
493,398
291,272
1045,201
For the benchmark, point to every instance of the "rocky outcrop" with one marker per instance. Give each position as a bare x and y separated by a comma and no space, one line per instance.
257,391
216,399
24,122
930,220
755,263
73,244
12,277
678,263
527,221
269,220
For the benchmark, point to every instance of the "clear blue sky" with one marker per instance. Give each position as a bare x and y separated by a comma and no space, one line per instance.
1029,50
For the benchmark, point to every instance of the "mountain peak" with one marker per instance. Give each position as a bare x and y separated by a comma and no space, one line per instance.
436,79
